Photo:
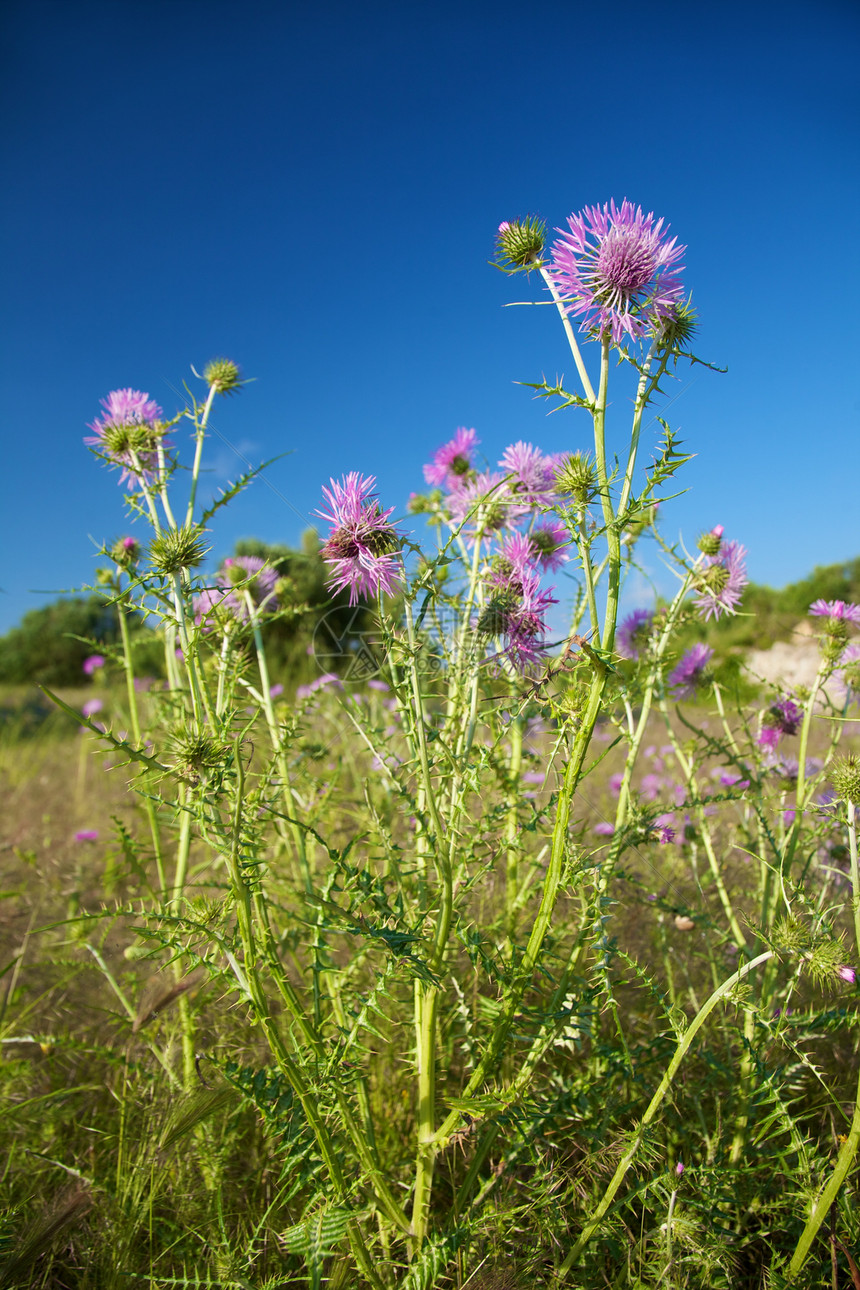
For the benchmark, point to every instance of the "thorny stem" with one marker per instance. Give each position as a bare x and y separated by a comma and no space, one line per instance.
653,1106
198,453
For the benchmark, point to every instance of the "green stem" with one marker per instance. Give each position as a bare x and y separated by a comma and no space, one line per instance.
198,453
571,336
134,717
653,1107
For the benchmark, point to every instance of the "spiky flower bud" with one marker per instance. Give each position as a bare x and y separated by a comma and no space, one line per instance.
710,543
678,327
845,778
176,549
577,476
223,375
520,242
125,552
197,755
495,618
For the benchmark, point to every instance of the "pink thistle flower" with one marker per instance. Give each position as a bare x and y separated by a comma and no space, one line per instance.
327,678
487,499
687,676
846,678
362,546
128,430
87,835
93,663
91,707
617,270
661,830
452,463
533,482
837,609
782,718
633,632
548,542
604,829
722,580
847,973
248,573
517,614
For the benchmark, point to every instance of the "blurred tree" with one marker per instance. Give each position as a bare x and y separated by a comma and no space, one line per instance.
323,633
43,648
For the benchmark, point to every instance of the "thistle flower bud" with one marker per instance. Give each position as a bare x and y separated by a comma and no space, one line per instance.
710,543
520,243
845,778
196,756
176,549
222,374
677,327
125,552
577,476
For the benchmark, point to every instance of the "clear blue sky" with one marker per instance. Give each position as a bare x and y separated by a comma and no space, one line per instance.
314,191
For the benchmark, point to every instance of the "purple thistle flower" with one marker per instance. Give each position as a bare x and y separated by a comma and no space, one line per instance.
847,973
128,429
548,541
91,707
846,678
604,829
533,482
327,678
87,835
487,498
679,1168
661,830
93,663
251,574
838,609
617,270
633,633
782,718
723,578
687,676
453,461
362,546
517,612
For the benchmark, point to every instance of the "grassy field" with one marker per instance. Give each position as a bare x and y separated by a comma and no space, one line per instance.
149,1139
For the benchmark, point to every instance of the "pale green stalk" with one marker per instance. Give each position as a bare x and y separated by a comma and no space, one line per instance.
800,803
134,718
653,1107
198,452
571,336
851,1143
250,978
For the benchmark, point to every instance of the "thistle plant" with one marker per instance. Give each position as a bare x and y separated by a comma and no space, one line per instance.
401,880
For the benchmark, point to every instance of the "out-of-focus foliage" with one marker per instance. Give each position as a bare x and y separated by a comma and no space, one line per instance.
43,648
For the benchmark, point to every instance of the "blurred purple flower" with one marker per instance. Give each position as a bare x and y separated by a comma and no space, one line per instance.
93,663
615,781
782,718
548,541
276,691
362,547
679,1168
617,270
847,973
723,578
533,476
604,829
633,633
453,461
381,686
838,609
662,830
687,676
487,499
87,835
327,678
91,707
